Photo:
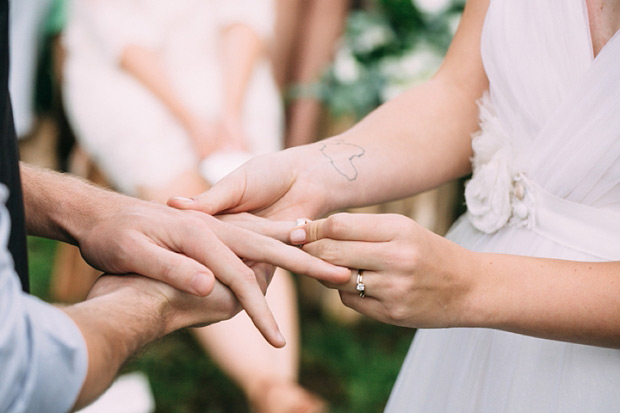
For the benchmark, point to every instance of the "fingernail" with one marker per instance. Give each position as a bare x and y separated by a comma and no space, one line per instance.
281,338
182,200
201,284
298,236
342,272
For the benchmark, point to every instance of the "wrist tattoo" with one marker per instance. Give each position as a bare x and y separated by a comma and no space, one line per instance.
341,155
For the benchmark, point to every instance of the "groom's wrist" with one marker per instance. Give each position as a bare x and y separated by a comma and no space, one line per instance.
62,206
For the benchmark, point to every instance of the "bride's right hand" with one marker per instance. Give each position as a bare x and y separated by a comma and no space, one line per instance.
277,186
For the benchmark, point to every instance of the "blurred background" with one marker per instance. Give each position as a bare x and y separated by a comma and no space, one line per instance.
331,62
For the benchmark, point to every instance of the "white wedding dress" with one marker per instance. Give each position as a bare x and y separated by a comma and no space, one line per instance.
546,183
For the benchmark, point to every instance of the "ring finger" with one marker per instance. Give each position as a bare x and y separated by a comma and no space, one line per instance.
368,282
351,254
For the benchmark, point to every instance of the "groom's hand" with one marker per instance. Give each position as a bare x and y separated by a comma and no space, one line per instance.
188,249
179,248
172,308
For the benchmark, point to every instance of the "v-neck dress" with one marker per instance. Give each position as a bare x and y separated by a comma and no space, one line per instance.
546,183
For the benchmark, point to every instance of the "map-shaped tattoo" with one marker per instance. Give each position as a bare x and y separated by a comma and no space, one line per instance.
341,155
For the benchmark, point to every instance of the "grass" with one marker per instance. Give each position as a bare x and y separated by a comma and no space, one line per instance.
352,367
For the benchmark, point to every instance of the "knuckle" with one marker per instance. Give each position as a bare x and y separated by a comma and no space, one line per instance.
263,248
247,276
404,257
168,270
327,251
125,245
398,313
335,224
412,258
399,219
393,256
397,223
242,280
405,262
198,221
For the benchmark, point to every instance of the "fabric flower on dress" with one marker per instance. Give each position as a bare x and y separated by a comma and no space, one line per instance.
491,197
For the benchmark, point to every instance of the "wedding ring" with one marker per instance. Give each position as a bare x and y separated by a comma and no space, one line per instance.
301,221
360,286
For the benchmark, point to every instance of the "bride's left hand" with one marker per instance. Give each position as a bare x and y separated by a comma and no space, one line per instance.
412,277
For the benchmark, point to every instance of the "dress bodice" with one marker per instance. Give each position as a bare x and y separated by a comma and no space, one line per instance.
557,103
550,124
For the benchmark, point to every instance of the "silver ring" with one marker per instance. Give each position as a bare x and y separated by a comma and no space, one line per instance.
299,222
360,286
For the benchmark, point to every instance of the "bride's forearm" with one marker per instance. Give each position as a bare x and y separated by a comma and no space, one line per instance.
421,138
554,299
411,144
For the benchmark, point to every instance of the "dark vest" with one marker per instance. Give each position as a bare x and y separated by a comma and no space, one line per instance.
9,161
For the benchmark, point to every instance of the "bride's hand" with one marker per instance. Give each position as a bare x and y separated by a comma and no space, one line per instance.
286,185
412,277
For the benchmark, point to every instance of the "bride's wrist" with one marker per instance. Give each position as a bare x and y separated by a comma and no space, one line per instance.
314,176
484,303
337,169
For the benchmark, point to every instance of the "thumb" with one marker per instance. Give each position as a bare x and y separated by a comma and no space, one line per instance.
348,227
226,195
309,232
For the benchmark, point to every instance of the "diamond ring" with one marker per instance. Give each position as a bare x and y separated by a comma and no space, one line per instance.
360,286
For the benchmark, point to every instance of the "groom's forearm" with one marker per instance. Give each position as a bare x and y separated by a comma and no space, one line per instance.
115,326
125,313
61,206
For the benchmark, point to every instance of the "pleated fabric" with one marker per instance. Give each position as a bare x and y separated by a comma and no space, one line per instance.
550,141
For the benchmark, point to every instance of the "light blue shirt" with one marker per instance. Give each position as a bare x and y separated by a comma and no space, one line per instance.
43,356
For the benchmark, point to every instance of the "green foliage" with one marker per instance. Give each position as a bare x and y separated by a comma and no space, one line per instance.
40,259
387,47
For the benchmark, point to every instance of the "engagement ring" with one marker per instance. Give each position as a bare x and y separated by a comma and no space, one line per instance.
360,287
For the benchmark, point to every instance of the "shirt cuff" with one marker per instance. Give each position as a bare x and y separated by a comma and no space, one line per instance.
59,358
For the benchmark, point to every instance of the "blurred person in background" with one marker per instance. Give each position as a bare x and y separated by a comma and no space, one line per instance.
59,359
166,98
306,35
